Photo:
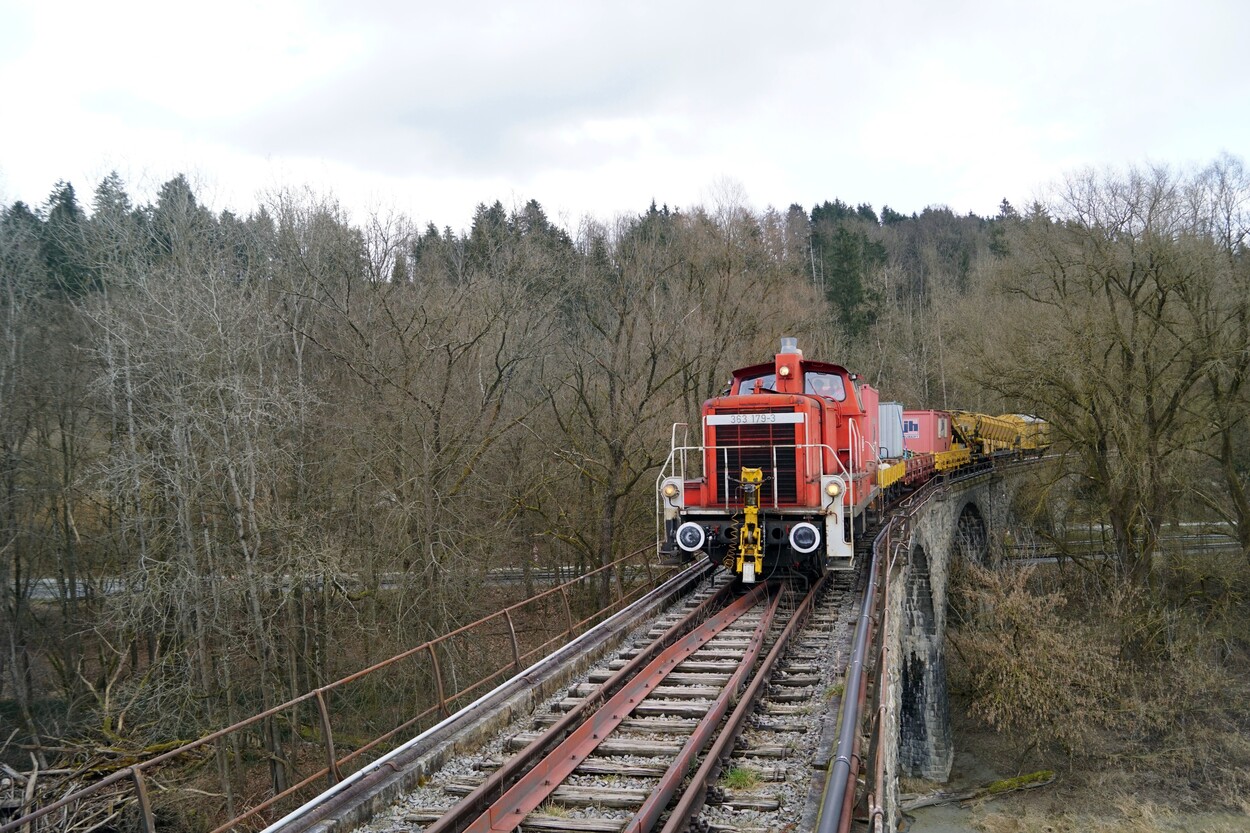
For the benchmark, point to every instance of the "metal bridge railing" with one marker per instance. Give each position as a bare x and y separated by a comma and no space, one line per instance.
870,661
318,741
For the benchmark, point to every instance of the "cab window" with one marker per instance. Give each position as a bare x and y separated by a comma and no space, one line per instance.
758,384
828,385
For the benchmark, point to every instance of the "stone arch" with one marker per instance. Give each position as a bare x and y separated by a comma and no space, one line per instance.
955,526
972,541
920,594
912,727
924,723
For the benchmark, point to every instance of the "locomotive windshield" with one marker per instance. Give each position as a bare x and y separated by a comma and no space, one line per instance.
766,383
828,385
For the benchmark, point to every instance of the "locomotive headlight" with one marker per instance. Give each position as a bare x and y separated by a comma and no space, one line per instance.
690,536
671,490
831,486
804,537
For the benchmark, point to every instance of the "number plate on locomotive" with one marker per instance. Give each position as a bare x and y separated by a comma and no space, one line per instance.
754,418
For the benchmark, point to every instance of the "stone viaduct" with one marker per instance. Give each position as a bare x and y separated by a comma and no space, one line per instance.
958,521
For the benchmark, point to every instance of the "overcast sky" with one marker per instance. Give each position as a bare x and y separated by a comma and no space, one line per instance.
598,108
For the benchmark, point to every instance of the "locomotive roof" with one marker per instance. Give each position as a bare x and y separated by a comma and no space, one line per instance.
805,365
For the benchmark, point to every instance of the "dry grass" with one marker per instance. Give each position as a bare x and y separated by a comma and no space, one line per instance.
1142,701
1120,814
553,809
1025,667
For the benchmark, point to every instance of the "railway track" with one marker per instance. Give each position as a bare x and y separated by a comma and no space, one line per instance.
718,717
724,716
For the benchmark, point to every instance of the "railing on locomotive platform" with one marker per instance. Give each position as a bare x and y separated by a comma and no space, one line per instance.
676,464
758,456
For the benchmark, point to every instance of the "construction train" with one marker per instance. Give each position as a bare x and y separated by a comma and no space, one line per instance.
795,456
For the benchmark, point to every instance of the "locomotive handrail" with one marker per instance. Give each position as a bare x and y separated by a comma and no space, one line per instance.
856,450
669,469
675,466
685,437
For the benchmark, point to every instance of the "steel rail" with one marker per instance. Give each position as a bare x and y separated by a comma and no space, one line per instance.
647,816
475,803
696,794
534,787
348,792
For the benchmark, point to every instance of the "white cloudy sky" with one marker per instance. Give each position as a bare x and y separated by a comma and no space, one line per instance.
594,107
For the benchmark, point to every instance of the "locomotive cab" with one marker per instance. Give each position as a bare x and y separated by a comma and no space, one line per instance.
785,465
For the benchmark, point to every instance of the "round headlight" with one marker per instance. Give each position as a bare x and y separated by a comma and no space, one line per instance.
690,536
833,488
804,537
671,490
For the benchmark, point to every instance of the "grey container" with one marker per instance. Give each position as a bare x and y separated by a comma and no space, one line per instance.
890,415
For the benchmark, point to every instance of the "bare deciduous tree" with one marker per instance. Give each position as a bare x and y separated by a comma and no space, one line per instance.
1117,292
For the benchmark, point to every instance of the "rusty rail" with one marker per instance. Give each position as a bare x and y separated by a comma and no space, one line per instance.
532,788
649,814
505,776
722,748
139,775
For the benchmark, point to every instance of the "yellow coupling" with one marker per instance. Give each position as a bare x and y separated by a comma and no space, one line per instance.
750,562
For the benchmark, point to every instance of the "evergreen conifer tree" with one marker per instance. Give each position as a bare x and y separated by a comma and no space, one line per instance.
63,244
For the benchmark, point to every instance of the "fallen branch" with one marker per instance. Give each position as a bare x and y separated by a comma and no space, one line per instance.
983,793
29,796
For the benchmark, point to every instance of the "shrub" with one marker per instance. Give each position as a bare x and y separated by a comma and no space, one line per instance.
1148,686
1024,667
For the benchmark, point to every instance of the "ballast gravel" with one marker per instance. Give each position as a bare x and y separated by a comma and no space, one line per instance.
801,748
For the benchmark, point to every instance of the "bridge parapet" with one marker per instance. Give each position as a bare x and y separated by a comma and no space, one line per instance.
954,521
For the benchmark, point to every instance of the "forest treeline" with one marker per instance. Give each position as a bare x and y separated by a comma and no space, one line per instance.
245,455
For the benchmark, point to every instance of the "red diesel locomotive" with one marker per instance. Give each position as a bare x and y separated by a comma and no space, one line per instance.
792,457
786,467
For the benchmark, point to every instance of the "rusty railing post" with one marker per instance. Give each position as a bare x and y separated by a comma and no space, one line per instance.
333,776
516,648
438,679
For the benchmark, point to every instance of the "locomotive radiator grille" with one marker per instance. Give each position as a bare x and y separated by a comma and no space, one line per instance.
767,447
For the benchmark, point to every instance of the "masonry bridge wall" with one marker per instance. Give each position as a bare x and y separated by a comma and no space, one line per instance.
958,522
